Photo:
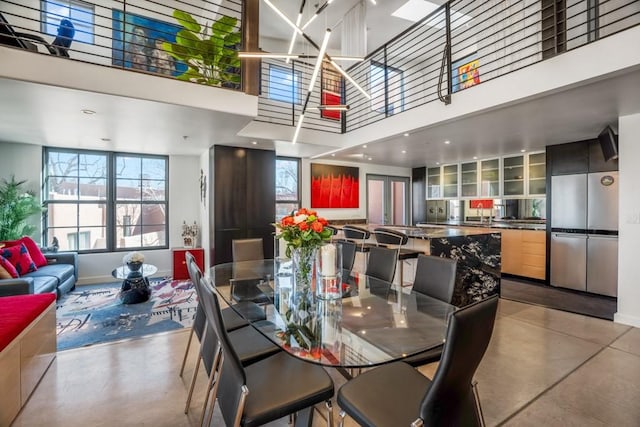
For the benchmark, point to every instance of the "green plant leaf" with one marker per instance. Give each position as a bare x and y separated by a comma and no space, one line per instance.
187,21
190,41
223,26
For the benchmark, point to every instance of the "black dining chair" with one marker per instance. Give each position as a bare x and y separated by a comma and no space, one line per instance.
435,277
249,344
267,390
382,263
398,395
386,236
348,254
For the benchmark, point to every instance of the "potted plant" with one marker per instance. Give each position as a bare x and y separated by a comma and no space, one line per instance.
208,50
16,206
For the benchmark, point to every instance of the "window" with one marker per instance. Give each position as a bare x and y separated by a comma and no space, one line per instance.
284,84
394,86
78,12
97,201
287,186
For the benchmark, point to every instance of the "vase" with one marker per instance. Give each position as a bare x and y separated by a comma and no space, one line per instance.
134,267
300,316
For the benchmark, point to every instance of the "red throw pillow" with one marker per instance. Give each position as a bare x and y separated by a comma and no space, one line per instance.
19,257
8,267
35,252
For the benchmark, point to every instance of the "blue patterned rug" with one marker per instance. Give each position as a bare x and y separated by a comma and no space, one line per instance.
94,314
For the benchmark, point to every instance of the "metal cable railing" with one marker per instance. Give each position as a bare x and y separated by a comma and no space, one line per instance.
488,39
191,40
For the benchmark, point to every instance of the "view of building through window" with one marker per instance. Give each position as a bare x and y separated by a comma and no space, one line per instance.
284,84
287,185
98,201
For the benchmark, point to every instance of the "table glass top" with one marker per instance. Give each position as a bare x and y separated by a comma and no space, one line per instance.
373,323
123,271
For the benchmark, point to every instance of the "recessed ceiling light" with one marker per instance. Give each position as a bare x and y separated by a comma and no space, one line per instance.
404,151
364,146
437,163
475,157
370,158
406,134
88,111
522,151
254,142
333,154
447,142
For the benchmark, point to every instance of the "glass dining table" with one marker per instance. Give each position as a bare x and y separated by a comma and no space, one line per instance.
372,323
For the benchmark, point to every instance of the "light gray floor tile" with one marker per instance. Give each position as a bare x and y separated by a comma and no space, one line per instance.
600,331
509,308
603,392
521,362
629,342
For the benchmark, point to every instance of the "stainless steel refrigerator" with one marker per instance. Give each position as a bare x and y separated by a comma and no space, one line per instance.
584,232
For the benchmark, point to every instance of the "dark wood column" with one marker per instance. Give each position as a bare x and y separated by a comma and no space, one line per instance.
250,37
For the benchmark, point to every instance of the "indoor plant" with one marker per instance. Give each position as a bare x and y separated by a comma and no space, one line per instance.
208,50
16,206
304,232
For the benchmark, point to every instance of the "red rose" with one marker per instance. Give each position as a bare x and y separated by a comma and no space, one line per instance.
317,226
303,226
323,221
312,213
287,221
302,211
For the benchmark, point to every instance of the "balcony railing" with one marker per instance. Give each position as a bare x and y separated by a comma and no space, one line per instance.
191,40
461,44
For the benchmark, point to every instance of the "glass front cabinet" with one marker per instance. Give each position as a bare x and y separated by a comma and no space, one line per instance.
433,183
450,181
490,177
513,176
469,178
537,174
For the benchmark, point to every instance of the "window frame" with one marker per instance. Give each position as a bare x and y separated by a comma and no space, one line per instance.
294,93
297,201
85,30
386,89
110,201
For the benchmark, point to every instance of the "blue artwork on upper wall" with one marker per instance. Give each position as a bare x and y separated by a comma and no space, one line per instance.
139,46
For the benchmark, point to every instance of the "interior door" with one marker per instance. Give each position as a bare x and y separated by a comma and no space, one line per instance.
388,200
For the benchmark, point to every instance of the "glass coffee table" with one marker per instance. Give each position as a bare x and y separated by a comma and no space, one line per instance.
135,286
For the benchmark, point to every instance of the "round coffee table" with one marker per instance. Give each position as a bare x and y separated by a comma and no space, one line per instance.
135,286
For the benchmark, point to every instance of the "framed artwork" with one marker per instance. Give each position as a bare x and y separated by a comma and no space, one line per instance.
137,44
331,91
465,72
334,186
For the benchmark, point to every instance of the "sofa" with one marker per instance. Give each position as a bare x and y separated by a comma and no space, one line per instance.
59,276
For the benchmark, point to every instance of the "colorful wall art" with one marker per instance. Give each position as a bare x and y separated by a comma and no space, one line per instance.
334,186
465,73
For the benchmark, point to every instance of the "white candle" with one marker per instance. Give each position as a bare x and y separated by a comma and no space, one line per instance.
328,255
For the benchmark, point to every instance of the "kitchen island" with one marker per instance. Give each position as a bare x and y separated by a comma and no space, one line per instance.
477,252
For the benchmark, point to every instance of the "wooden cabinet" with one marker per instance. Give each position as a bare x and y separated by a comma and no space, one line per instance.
524,253
180,271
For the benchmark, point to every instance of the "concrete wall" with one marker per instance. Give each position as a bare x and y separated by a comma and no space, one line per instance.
629,221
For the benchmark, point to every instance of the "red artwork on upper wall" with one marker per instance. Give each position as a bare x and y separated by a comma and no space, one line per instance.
334,186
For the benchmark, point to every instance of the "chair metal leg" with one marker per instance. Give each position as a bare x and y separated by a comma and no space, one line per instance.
476,398
186,352
329,413
214,380
193,383
243,401
342,415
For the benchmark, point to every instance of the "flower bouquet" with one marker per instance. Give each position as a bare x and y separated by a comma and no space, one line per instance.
133,260
304,232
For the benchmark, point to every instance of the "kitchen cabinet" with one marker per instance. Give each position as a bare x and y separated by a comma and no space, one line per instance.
469,178
524,253
566,159
490,178
450,181
433,183
513,176
537,174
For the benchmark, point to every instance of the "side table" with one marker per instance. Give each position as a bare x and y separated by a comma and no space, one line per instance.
180,271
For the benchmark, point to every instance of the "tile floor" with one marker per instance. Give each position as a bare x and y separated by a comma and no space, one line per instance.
543,367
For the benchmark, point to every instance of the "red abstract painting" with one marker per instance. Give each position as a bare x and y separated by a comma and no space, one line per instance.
334,186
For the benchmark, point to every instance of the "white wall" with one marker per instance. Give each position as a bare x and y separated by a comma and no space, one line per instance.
629,220
204,211
25,161
364,169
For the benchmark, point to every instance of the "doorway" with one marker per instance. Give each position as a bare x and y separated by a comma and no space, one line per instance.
388,200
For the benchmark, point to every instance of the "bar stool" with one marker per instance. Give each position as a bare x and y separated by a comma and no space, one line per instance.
359,235
393,237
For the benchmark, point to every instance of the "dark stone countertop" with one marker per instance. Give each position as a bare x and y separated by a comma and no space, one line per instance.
508,224
427,231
